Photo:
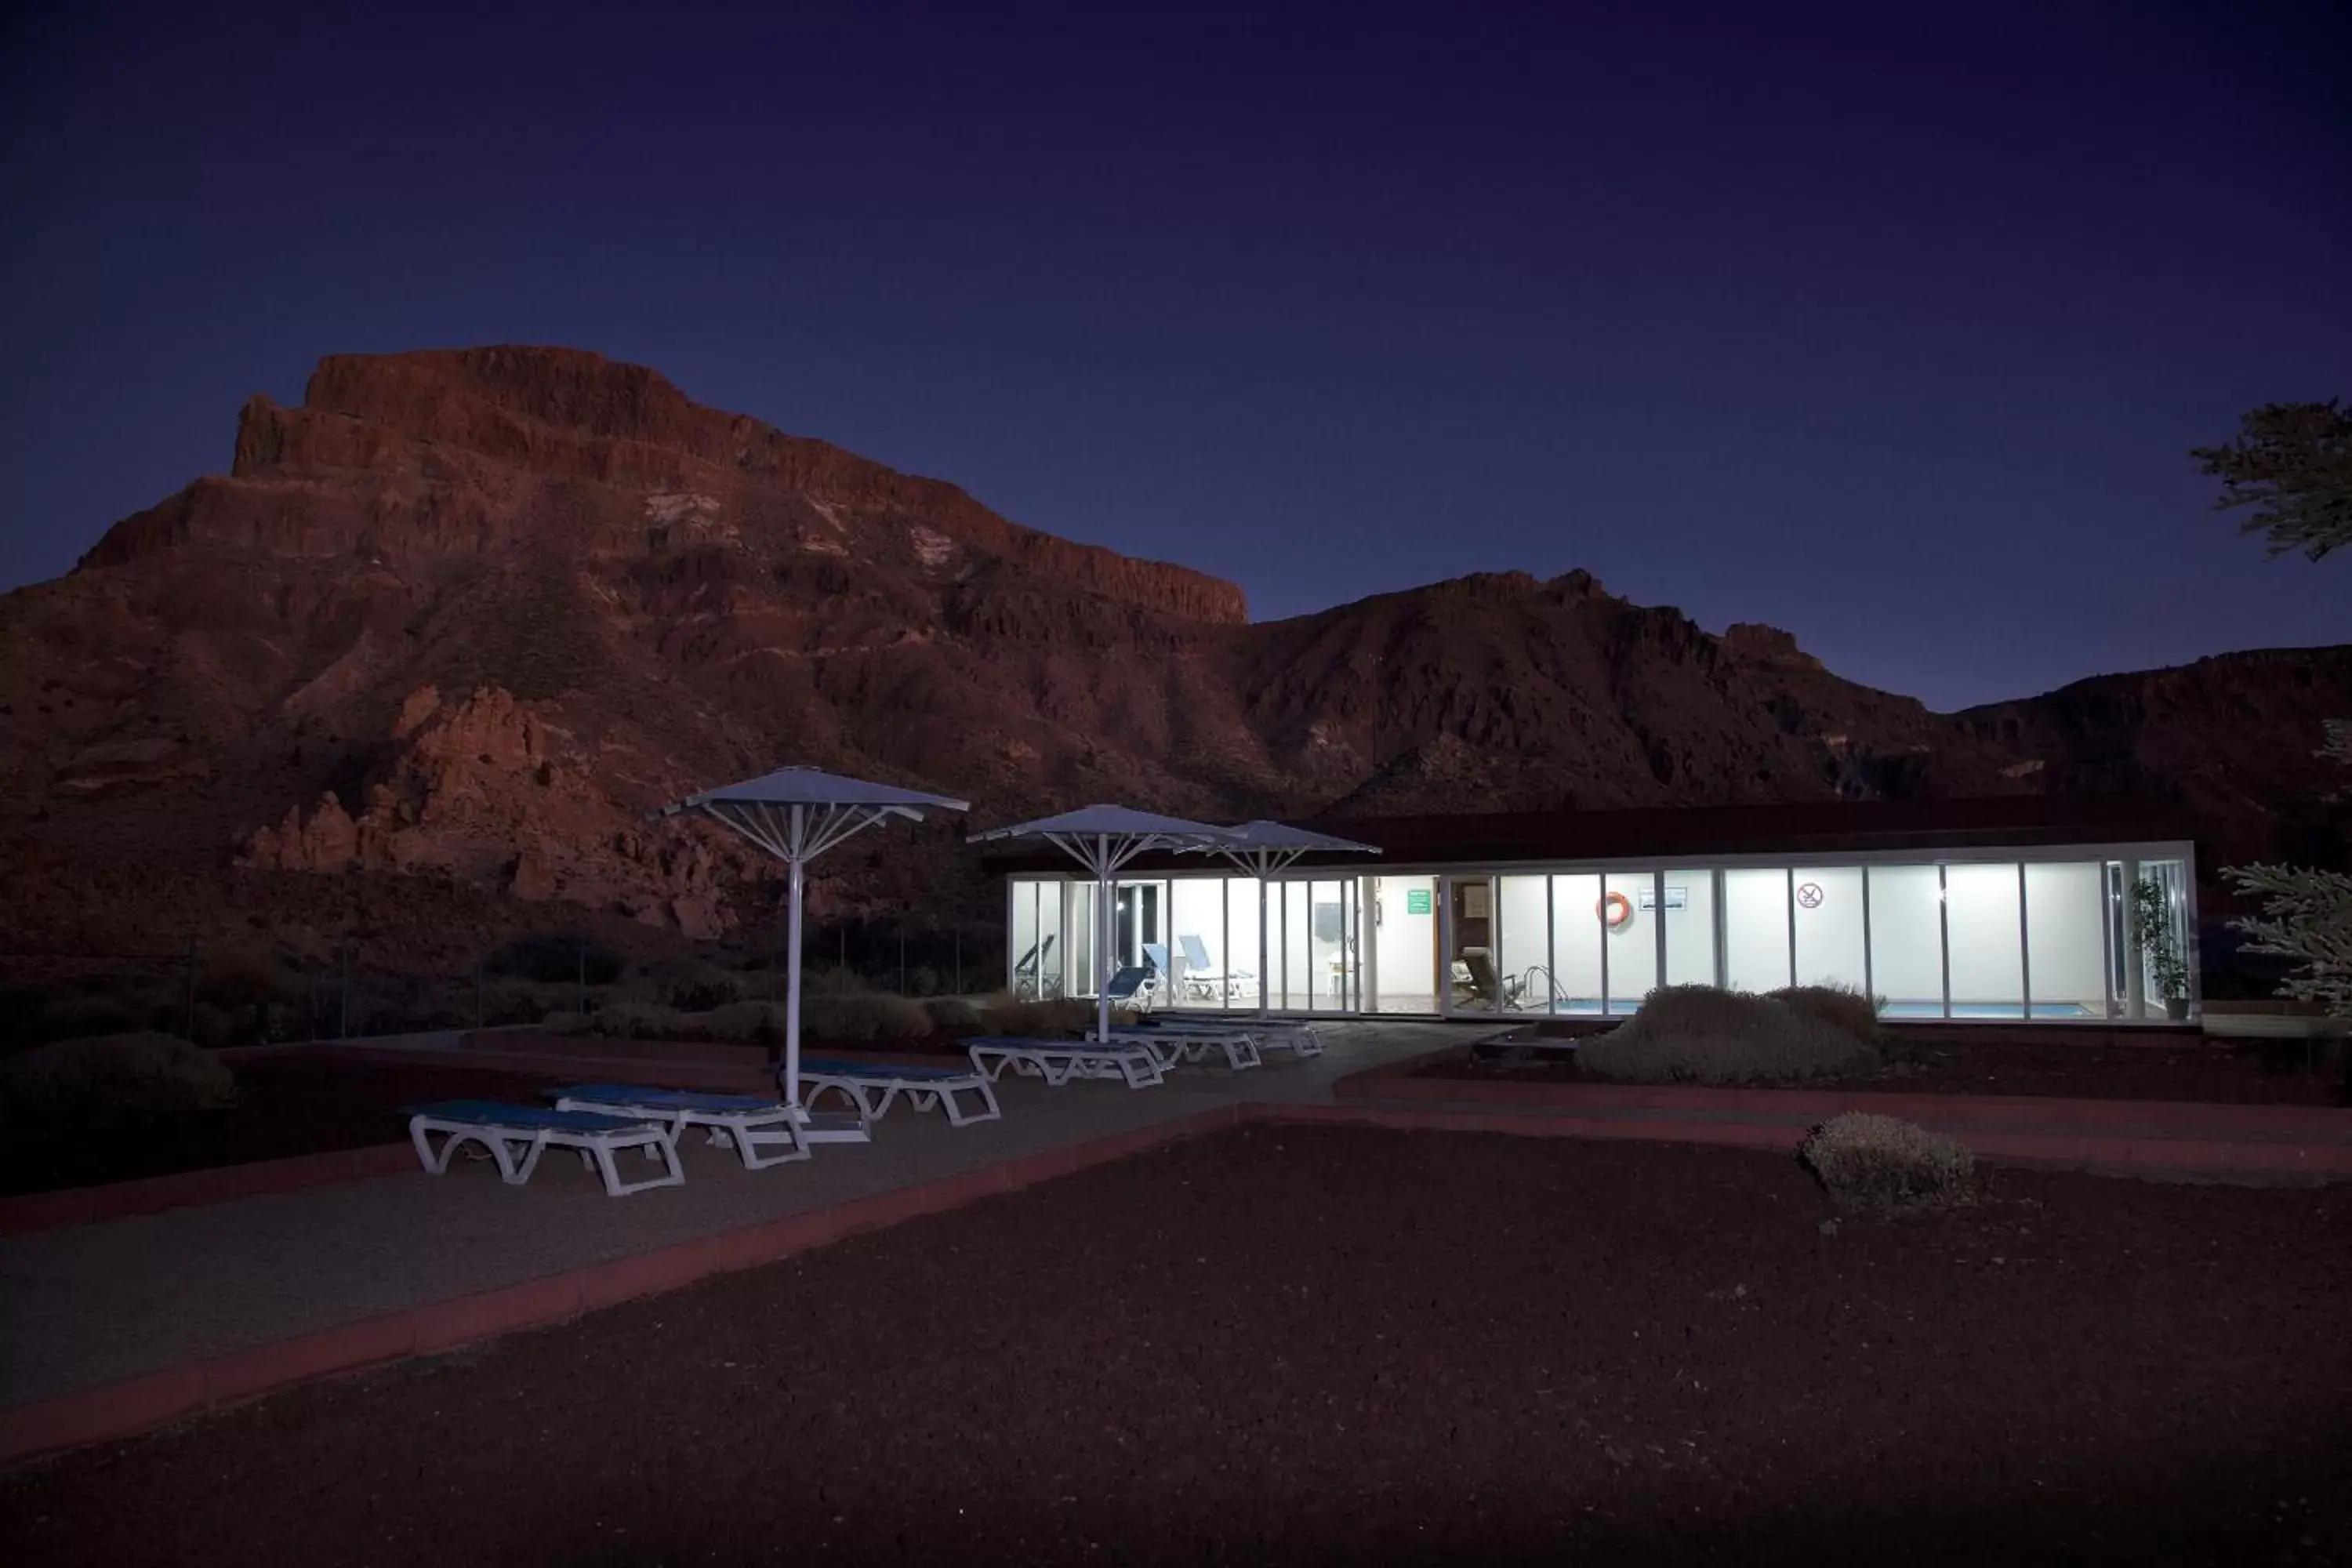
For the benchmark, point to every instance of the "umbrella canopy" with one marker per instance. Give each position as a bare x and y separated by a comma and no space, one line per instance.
1103,838
797,814
1262,848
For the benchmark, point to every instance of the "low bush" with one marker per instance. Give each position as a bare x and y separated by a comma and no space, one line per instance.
1698,1034
563,1021
953,1016
759,1022
514,1000
692,985
237,978
555,959
1881,1163
645,1021
863,1015
1063,1018
111,1079
1834,1006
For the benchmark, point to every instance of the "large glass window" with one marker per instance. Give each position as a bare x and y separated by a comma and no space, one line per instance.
1332,946
1523,941
2065,940
1576,943
1984,940
1830,934
1196,945
1081,930
1689,919
1244,973
1402,912
2155,916
1294,946
1630,902
1756,928
1906,939
1035,954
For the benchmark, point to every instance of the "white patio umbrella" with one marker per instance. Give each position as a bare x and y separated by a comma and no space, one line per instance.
1103,838
796,814
1262,848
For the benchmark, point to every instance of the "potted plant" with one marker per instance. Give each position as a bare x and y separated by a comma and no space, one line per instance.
2154,933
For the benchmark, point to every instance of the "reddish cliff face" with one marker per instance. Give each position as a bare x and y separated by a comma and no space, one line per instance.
416,457
462,617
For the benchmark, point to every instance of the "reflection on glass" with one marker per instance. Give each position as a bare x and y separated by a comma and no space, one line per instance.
1830,930
1630,915
1983,940
1756,955
2065,940
1906,939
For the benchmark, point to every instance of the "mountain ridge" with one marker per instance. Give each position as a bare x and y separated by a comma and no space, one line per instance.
465,614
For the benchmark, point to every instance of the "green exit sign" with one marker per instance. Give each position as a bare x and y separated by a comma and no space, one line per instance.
1416,900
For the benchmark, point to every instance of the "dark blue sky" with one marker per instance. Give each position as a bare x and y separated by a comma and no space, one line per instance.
1886,327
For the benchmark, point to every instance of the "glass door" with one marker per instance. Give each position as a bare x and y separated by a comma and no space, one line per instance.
1473,980
1401,943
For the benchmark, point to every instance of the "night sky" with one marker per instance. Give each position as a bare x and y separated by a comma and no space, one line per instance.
1886,327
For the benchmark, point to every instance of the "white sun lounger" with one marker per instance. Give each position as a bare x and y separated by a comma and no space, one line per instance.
749,1123
1270,1034
515,1135
1173,1047
875,1087
1060,1061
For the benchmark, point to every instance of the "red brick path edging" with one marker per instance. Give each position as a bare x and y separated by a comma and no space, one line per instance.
142,1404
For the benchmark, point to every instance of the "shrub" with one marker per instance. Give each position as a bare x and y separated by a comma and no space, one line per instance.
512,1000
762,1022
110,1079
1834,1006
209,1026
643,1021
234,977
563,1022
1878,1160
863,1015
693,985
1062,1018
555,959
1698,1034
953,1016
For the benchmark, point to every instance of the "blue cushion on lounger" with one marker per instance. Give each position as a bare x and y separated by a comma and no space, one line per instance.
497,1113
842,1067
663,1098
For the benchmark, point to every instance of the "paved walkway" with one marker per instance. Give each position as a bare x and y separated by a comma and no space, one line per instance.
97,1304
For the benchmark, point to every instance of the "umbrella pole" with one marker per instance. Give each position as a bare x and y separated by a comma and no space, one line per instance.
792,976
1102,937
1264,975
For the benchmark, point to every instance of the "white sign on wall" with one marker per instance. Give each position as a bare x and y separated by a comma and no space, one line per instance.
1676,898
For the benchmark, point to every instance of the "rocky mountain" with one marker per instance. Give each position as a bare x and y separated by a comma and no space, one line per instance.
458,620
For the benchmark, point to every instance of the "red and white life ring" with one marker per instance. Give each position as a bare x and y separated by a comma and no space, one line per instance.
1614,910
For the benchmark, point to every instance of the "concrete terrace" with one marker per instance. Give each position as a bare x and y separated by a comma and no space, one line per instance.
89,1306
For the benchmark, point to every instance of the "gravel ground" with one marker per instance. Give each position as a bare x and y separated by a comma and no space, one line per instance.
1310,1345
2253,1073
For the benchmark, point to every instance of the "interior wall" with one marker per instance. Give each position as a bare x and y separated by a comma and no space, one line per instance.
1830,928
2066,916
1755,928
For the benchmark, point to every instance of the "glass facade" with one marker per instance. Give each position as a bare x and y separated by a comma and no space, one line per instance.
1975,939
